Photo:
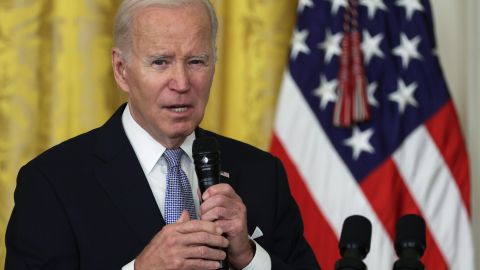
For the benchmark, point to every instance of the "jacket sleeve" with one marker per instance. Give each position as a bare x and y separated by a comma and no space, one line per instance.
39,235
291,250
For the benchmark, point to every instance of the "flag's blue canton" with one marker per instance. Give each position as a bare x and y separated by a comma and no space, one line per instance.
394,113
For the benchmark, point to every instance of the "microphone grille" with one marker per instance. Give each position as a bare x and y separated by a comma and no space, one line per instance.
356,234
205,145
410,233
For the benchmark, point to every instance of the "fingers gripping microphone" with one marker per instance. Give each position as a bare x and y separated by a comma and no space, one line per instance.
206,156
410,243
354,243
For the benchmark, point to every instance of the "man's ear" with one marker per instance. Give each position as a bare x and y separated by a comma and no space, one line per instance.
119,67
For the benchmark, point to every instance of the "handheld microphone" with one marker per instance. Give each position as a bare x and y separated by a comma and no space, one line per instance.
410,243
354,243
206,156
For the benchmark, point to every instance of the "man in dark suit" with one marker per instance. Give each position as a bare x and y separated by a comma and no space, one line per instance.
98,201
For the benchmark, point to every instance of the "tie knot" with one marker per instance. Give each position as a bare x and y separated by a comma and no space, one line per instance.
172,156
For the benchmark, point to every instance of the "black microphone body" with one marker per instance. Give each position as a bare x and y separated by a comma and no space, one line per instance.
206,156
410,243
354,243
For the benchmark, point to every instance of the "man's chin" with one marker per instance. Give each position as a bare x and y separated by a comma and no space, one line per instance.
181,133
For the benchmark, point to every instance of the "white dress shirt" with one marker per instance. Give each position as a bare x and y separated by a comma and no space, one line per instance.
149,153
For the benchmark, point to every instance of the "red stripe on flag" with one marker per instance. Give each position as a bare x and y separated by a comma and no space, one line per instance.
390,198
318,232
445,130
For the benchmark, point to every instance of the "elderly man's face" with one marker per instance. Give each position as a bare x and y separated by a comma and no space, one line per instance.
169,71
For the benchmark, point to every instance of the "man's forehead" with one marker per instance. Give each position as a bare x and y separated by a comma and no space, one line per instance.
166,37
159,19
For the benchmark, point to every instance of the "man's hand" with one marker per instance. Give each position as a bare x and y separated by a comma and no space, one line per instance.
186,244
226,209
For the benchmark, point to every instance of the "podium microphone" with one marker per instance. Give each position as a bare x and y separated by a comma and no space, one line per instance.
354,243
206,156
410,243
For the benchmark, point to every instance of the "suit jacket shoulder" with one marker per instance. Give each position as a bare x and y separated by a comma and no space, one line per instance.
83,204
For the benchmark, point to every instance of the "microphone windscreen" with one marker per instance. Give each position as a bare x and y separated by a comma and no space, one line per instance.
205,145
356,234
410,234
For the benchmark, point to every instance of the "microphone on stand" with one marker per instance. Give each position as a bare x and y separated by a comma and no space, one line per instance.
354,243
410,243
206,156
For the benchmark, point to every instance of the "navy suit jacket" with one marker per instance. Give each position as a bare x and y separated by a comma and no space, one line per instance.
86,204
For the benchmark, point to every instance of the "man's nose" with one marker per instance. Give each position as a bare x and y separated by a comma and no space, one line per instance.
179,80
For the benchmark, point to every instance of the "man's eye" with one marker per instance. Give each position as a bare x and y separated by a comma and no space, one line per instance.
197,62
159,62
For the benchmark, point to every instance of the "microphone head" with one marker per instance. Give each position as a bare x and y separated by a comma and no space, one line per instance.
410,234
356,235
205,145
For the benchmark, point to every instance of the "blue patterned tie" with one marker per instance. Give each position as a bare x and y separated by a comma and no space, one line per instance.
179,193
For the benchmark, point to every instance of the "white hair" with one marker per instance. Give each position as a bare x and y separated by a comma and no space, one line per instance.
128,8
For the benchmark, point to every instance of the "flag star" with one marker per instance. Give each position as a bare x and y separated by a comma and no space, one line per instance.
371,88
410,6
304,3
404,95
371,46
331,45
372,6
326,91
407,49
359,142
299,44
336,4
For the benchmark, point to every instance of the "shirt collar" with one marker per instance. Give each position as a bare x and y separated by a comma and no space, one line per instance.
147,149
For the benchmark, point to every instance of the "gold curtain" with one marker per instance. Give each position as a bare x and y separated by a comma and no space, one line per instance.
56,80
253,45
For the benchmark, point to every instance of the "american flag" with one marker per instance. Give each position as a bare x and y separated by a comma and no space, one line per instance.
408,158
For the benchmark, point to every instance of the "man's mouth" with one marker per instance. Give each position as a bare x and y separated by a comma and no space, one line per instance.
178,108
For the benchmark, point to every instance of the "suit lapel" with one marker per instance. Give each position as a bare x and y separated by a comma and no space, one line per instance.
121,175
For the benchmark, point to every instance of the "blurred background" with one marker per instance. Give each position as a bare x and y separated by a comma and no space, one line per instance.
56,80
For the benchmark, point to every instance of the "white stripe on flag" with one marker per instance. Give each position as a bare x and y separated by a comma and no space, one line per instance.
328,179
433,188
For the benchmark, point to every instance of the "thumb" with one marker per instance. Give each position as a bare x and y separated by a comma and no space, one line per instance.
184,217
